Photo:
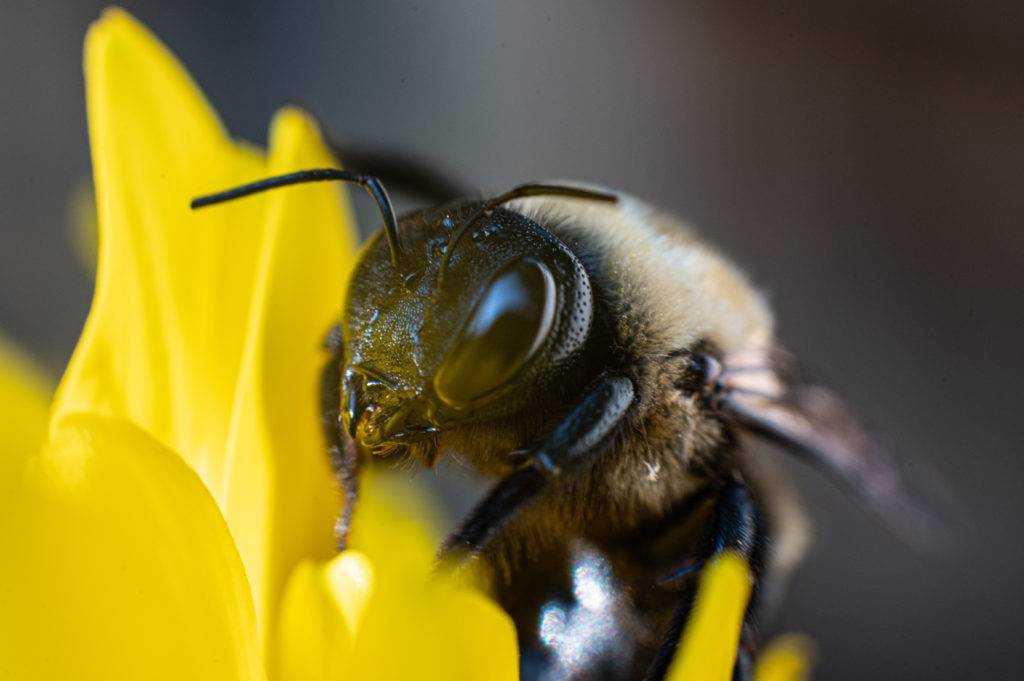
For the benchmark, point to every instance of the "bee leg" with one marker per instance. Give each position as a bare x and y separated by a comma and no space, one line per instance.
738,525
342,451
573,442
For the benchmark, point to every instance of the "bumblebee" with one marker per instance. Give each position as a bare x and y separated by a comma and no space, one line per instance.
607,368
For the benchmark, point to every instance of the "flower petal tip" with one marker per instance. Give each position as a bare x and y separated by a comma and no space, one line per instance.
296,135
294,118
113,23
787,658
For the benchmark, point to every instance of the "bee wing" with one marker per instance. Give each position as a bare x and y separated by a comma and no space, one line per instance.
758,391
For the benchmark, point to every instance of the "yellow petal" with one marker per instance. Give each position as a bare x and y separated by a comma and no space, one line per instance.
119,565
206,326
708,647
393,620
164,338
277,488
25,396
321,610
484,642
444,628
443,632
787,658
396,524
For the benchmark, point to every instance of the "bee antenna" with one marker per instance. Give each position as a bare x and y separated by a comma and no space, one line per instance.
372,185
521,192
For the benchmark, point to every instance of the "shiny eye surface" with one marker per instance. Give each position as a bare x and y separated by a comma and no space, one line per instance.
505,329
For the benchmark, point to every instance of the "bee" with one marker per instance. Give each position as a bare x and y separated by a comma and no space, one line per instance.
610,370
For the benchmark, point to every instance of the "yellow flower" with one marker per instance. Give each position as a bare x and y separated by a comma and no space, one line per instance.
172,517
178,522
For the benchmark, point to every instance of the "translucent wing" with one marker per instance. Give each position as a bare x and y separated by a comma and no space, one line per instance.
757,390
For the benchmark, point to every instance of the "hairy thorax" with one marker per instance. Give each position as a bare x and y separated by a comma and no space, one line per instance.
667,450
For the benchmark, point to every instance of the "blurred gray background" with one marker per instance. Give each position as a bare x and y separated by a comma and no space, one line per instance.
863,160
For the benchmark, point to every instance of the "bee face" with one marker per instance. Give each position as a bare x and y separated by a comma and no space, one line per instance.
470,327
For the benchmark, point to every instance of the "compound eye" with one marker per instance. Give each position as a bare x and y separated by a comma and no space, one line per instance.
505,329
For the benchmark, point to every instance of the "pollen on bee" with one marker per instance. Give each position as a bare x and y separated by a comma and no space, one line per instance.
653,469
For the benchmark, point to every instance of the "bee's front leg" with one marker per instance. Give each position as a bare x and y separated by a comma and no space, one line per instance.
342,451
575,441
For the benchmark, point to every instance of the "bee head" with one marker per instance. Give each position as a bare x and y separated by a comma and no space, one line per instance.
458,314
483,311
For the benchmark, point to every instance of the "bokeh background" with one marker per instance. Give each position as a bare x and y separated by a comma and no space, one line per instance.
863,160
